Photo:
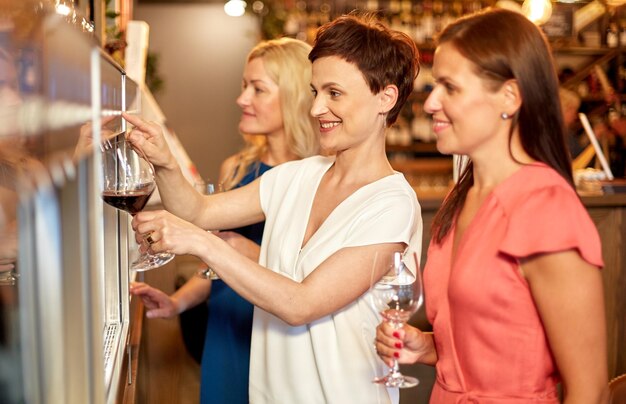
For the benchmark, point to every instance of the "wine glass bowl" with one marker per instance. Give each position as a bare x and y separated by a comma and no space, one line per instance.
131,201
128,183
400,303
397,295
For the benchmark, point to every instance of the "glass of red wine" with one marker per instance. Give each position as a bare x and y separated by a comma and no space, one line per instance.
128,182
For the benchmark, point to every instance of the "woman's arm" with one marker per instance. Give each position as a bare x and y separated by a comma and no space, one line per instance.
194,292
335,283
177,194
569,297
240,243
236,208
160,305
244,245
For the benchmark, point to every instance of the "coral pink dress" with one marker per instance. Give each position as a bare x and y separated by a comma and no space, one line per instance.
489,337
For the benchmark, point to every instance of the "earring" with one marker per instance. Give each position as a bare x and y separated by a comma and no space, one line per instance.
504,116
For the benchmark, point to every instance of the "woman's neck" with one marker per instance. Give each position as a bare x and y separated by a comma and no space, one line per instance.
278,150
491,167
364,164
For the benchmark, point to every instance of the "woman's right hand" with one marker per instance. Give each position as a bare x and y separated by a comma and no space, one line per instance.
148,139
157,303
406,345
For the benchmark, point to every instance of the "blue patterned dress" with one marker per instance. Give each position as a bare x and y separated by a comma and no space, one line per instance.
226,354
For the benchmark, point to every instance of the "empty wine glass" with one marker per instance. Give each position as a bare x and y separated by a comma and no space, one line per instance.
397,296
128,184
207,272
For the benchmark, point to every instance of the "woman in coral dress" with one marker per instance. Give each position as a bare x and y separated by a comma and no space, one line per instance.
512,283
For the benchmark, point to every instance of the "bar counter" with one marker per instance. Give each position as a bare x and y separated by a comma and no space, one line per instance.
609,214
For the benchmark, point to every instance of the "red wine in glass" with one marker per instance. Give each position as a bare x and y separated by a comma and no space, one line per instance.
129,201
128,182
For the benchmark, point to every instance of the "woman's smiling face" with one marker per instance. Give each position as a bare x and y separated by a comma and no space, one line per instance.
347,111
465,112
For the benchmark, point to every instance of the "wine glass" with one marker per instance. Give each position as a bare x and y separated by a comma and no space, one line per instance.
397,296
128,184
209,273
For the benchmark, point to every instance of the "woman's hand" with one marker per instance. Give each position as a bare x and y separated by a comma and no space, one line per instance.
162,231
406,345
148,139
158,304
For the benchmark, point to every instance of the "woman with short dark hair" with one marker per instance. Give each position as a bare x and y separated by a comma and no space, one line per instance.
326,218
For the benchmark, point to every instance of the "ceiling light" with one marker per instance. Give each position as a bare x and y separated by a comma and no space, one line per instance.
537,11
235,8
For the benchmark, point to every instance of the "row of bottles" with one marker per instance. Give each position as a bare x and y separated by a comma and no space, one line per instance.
616,31
420,19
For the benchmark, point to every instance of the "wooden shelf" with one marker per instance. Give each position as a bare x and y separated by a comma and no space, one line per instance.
582,73
423,166
417,147
582,50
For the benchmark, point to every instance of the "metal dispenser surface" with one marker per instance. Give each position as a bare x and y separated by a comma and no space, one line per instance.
64,255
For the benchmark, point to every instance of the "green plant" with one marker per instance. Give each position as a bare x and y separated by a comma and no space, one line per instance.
114,42
154,81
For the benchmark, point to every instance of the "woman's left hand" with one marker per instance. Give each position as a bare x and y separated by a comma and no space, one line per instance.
162,231
407,345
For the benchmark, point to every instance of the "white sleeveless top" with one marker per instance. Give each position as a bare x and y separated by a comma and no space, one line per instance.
331,360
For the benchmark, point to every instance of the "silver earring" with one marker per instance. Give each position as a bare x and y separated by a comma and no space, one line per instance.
504,116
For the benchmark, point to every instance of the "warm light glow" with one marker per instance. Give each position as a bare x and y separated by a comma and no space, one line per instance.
62,9
258,6
235,8
537,11
87,25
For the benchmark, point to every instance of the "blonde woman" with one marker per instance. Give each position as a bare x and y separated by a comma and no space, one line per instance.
275,100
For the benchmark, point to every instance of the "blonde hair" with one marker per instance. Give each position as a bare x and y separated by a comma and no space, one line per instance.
287,64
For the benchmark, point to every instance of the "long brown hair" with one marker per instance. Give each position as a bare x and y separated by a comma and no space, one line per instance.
505,45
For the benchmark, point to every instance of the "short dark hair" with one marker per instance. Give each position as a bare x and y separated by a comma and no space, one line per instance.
383,56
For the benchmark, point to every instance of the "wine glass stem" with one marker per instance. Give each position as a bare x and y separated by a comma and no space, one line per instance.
394,371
